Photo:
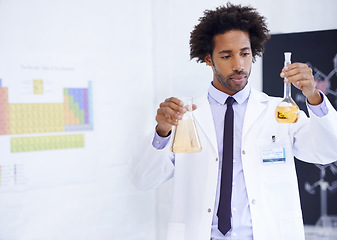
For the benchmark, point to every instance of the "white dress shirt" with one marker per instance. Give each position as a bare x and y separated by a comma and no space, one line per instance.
241,220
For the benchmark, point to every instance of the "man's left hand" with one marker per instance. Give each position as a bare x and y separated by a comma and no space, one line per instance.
301,76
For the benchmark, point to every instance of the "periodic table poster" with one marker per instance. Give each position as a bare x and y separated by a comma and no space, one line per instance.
46,107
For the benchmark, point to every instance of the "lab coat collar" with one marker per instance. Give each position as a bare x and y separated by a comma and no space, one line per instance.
221,97
255,107
203,115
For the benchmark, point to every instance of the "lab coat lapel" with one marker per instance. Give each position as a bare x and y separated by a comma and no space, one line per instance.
203,117
256,105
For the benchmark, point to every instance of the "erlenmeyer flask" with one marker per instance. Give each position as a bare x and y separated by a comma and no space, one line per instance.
287,111
185,137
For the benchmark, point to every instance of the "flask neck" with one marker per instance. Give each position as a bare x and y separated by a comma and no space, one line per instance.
188,107
287,90
287,86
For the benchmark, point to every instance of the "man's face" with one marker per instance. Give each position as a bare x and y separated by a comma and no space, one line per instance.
231,61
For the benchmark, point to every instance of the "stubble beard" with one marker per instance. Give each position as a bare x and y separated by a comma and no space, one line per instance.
226,81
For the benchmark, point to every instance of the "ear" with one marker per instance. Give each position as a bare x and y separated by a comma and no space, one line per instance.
208,60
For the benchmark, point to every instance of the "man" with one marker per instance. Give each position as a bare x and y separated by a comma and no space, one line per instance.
261,201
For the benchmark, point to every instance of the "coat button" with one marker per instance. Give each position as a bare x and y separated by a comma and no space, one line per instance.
243,152
217,159
253,201
209,210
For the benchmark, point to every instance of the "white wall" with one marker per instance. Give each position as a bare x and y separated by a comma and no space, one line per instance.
114,39
138,53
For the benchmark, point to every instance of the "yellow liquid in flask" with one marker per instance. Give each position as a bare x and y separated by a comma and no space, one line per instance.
185,138
287,114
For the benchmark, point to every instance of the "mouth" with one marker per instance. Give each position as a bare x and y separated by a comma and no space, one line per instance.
238,78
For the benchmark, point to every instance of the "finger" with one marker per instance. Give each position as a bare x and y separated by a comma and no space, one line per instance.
295,68
298,74
175,100
167,115
307,86
299,84
163,121
299,78
295,65
169,112
174,104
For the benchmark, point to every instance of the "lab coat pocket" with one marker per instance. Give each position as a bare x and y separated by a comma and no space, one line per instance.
176,231
291,224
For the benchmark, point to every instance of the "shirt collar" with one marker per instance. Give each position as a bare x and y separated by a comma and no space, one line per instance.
221,97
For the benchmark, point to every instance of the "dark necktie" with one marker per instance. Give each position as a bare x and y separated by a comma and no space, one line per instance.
224,209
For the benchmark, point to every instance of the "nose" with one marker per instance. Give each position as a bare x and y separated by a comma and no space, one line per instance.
237,64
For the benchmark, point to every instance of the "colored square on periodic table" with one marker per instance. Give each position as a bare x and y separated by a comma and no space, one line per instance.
4,94
38,86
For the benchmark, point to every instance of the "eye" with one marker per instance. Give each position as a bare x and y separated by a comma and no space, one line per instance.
226,57
246,54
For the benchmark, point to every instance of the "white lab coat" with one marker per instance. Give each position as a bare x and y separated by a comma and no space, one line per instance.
272,188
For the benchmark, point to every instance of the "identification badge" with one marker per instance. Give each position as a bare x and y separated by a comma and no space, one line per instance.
273,155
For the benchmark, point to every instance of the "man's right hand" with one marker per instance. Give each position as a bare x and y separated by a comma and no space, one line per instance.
168,114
